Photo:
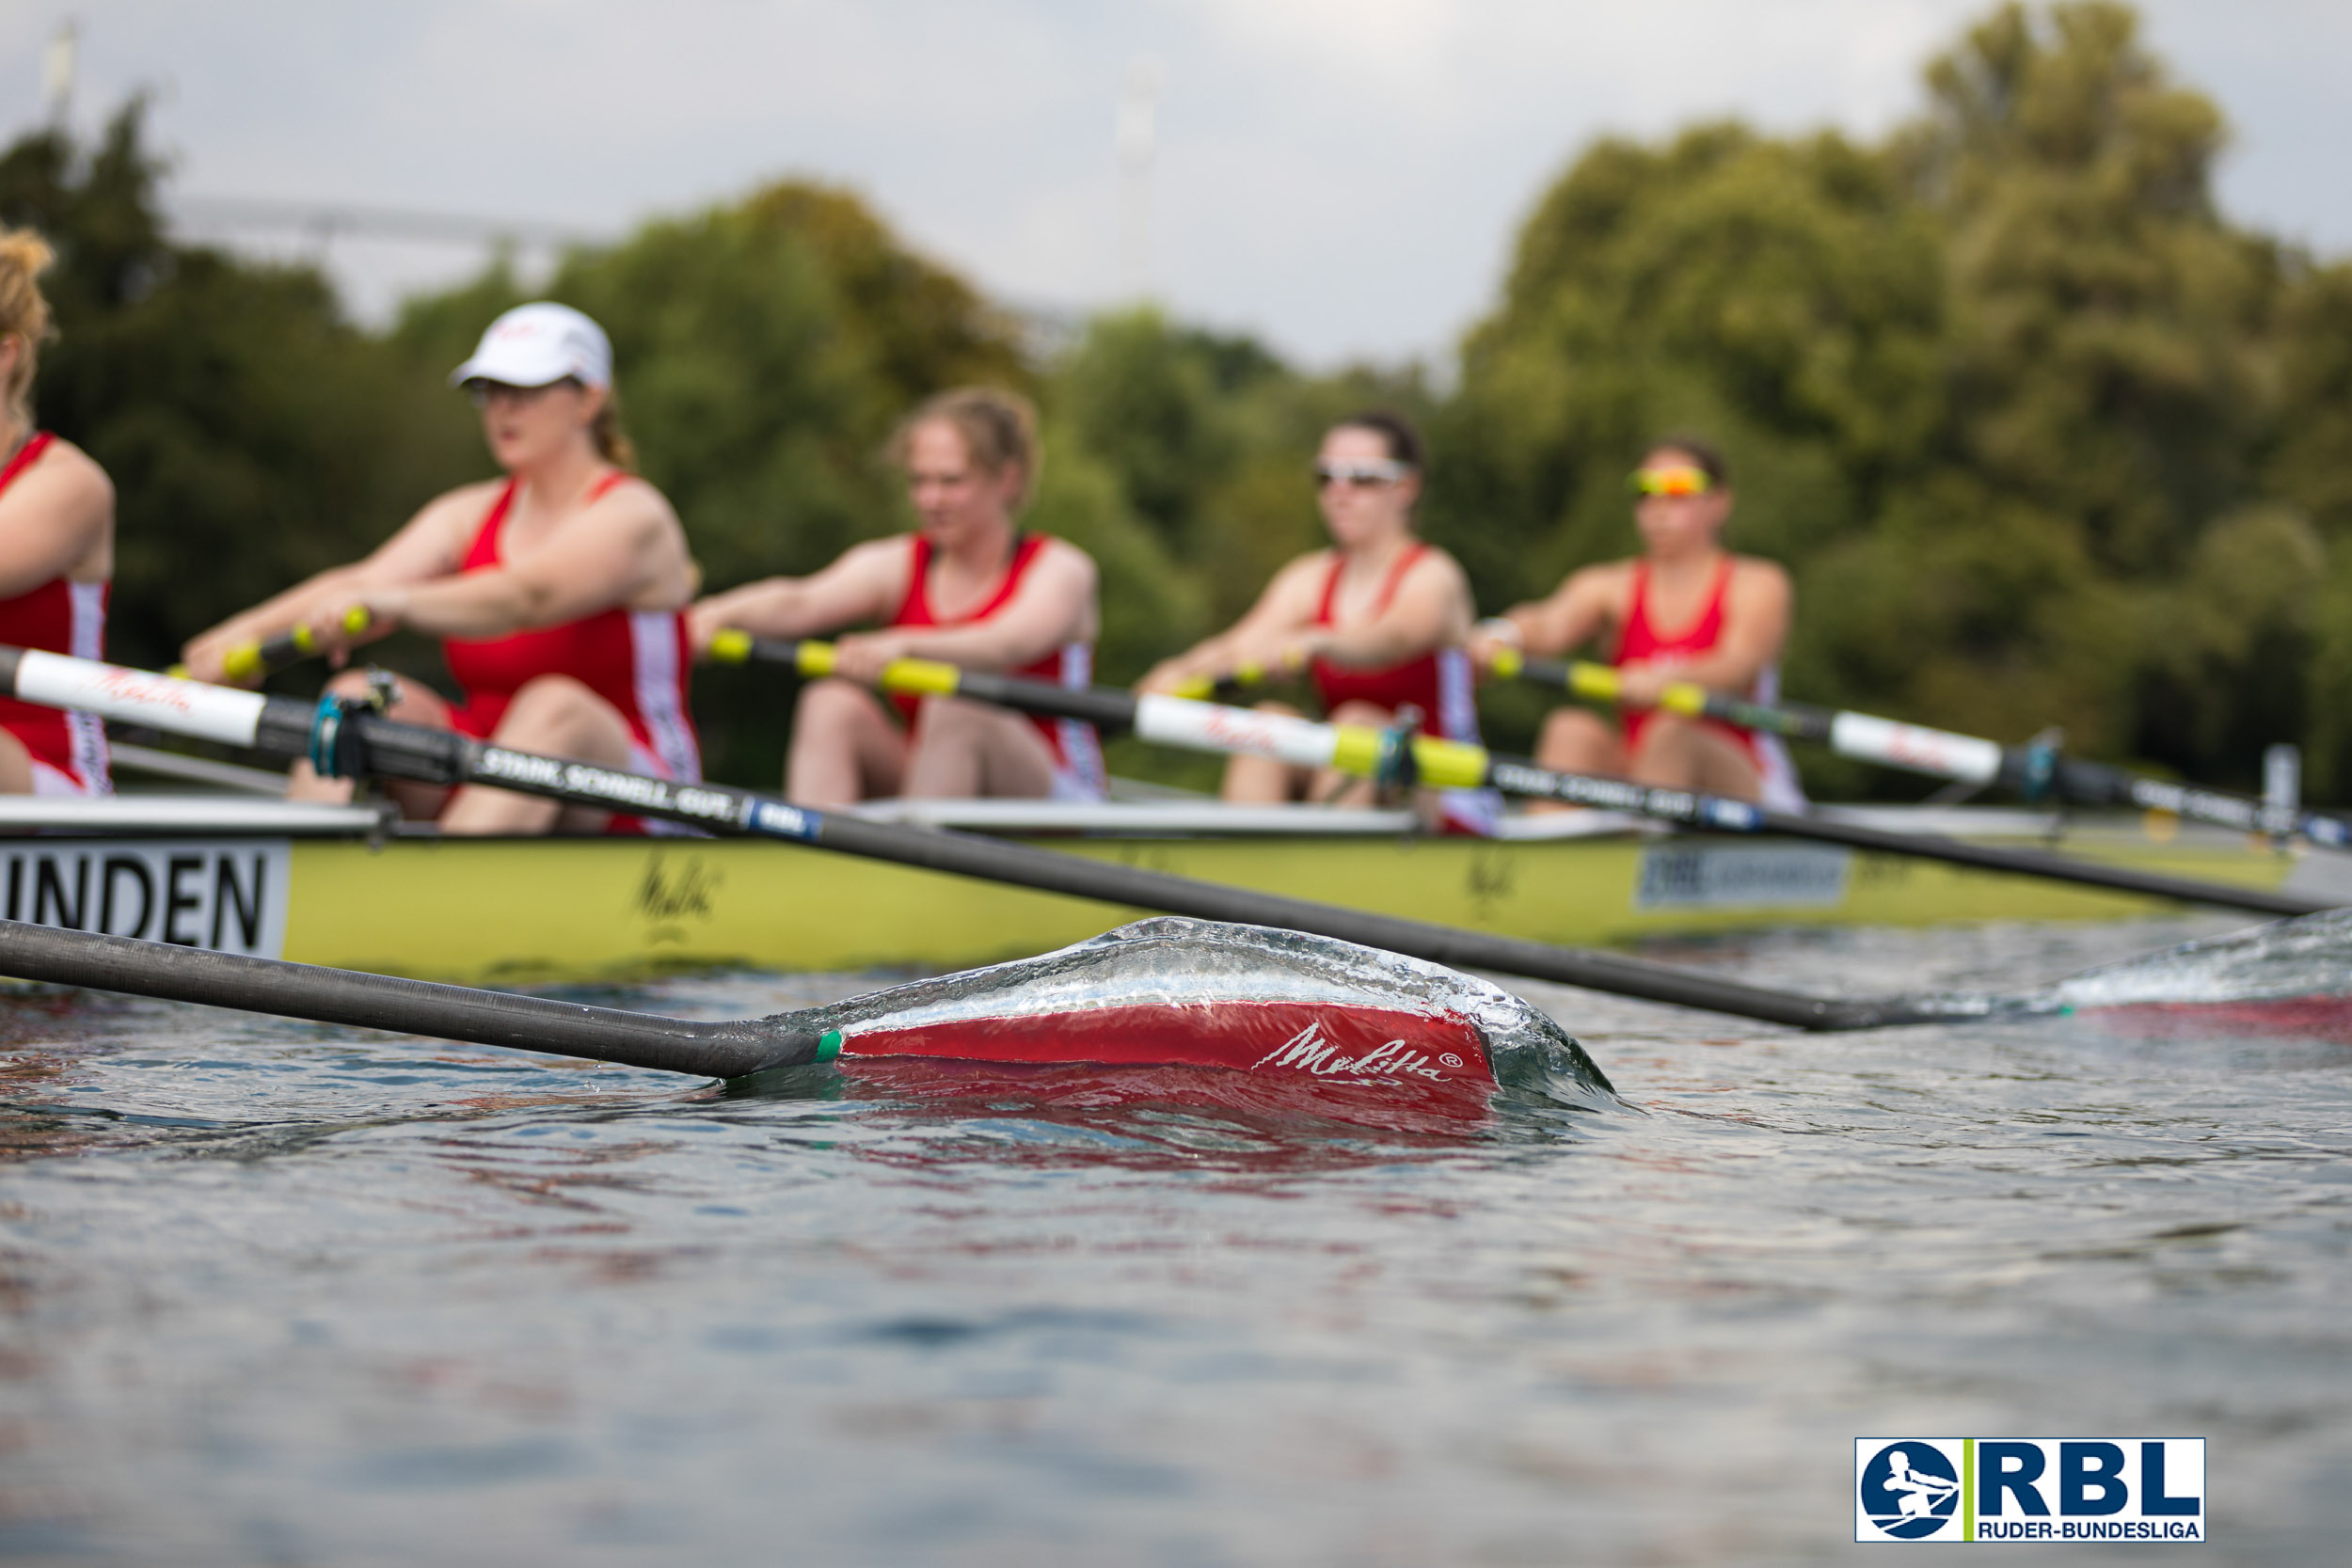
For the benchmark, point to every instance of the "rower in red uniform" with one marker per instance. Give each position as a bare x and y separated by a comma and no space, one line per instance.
559,591
57,547
1378,621
969,588
1685,609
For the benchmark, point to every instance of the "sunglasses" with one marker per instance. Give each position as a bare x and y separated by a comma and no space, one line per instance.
483,393
1669,482
1360,475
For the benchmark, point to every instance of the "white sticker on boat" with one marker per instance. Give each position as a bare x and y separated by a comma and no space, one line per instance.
136,697
225,893
1211,727
1690,876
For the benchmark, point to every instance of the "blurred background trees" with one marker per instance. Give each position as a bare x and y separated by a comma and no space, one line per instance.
2043,438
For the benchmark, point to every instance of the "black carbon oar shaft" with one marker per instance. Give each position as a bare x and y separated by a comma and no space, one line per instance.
1206,726
99,963
2027,770
361,742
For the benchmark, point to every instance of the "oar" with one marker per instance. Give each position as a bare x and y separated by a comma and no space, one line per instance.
344,739
2034,771
1366,752
728,1049
256,661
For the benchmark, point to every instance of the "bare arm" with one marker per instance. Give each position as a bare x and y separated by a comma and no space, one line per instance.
1259,637
1054,605
56,521
624,550
1579,609
864,586
430,545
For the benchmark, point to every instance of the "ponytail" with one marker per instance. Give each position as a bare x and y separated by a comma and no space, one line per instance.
24,314
613,443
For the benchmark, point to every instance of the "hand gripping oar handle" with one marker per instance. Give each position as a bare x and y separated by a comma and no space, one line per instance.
255,662
2035,773
728,1049
356,739
1360,750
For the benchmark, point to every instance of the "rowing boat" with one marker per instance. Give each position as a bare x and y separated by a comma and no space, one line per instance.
346,886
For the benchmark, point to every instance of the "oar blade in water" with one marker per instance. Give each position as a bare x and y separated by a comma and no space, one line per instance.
1177,992
2293,977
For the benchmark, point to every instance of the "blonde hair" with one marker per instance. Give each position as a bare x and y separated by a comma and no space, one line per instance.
613,443
24,313
998,427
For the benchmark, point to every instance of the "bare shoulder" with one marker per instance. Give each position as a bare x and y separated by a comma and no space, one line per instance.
1436,572
67,478
1610,580
470,502
1066,557
1753,574
636,493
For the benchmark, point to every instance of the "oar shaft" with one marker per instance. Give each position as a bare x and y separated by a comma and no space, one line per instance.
1942,753
1355,749
343,996
364,742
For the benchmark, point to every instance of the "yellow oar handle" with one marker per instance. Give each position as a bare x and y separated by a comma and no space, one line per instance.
253,660
813,660
1440,764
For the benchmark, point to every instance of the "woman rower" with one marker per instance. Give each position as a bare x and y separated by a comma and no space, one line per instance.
970,588
559,592
1685,609
57,547
1378,621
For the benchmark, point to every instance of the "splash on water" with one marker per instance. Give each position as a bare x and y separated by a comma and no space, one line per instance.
1180,993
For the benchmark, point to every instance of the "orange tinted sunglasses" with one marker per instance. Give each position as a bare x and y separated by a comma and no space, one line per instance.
1676,480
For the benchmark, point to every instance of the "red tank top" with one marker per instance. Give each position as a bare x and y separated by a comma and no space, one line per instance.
637,660
1077,749
1441,683
1417,681
1643,642
61,616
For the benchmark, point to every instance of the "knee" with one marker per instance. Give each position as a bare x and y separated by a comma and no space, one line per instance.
554,709
829,704
1282,710
1370,715
1669,731
1568,728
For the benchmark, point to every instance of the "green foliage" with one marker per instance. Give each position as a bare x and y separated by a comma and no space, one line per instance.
2030,423
252,434
2044,438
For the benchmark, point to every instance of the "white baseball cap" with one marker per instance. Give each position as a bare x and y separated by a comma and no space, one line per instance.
537,345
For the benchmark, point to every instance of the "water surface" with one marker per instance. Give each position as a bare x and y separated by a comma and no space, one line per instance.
282,1294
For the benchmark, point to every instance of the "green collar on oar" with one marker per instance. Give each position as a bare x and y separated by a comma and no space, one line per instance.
1364,751
2035,771
350,738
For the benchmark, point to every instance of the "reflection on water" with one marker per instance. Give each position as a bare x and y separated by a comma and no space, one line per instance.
275,1293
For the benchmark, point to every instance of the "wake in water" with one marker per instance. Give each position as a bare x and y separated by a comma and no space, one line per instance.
2292,976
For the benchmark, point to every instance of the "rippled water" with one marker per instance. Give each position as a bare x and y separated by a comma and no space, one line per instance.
277,1293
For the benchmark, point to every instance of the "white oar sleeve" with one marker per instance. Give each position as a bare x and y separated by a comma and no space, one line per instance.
136,697
1211,727
1922,750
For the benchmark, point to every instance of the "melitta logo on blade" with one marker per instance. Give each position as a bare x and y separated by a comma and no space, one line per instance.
2003,1489
1313,1051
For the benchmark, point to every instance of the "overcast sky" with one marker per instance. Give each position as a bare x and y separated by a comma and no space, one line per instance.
1342,177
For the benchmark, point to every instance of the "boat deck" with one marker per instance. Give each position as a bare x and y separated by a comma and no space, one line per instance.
347,885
